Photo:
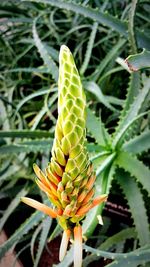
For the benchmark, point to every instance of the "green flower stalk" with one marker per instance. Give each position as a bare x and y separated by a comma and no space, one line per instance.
69,178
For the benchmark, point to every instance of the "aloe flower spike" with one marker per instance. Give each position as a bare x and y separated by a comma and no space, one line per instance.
69,177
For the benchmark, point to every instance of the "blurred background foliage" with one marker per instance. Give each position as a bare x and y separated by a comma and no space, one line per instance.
100,34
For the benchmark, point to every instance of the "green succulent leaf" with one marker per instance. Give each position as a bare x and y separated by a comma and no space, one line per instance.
132,92
99,16
111,242
67,260
96,128
103,184
12,206
93,88
135,167
139,61
48,61
136,257
43,238
25,134
30,223
138,144
89,48
136,204
27,146
33,95
110,56
132,114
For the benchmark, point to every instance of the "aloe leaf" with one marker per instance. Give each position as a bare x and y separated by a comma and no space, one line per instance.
132,112
48,61
99,16
33,240
30,70
91,219
28,146
13,204
137,207
30,223
137,256
99,155
31,96
67,260
105,164
135,167
115,100
131,26
89,48
139,61
93,88
45,230
110,56
138,144
24,134
123,235
120,137
4,117
132,260
92,147
96,128
108,73
121,264
11,170
57,231
110,242
42,112
132,92
15,262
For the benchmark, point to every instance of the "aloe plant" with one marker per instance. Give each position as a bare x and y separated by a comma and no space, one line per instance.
28,110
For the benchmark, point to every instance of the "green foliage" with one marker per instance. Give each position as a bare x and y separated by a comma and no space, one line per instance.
97,32
96,128
20,232
135,167
15,202
139,256
48,61
89,48
43,238
137,206
104,18
111,243
139,143
139,61
27,146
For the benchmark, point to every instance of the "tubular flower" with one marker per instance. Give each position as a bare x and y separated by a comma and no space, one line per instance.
69,178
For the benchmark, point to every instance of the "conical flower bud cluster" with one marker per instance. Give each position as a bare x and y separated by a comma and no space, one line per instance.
69,178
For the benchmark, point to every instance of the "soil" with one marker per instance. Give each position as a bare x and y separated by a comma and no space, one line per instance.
50,254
